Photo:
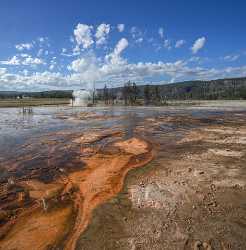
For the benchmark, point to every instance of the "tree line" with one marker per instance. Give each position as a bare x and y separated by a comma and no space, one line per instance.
130,94
133,94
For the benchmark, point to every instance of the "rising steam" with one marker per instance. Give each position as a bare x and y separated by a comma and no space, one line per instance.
82,97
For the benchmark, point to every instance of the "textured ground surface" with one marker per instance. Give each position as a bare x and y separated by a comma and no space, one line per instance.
137,178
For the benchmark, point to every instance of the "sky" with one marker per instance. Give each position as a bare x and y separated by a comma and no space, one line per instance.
52,45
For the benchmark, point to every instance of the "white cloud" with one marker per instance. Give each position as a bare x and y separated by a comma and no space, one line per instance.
161,32
102,33
91,68
121,45
51,67
121,27
81,64
24,59
12,61
198,44
76,52
135,32
25,72
139,40
43,41
179,43
115,56
194,59
167,44
53,63
32,61
111,66
86,69
24,55
3,71
24,46
71,39
40,52
231,58
137,35
83,35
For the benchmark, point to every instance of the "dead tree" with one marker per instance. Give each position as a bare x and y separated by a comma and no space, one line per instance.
147,94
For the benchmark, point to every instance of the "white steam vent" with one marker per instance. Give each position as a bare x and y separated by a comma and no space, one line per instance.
82,97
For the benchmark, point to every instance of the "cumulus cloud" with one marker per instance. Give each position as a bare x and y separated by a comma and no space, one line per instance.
24,59
87,67
102,33
90,69
179,43
121,27
32,61
12,61
198,44
83,35
24,46
82,64
161,32
115,56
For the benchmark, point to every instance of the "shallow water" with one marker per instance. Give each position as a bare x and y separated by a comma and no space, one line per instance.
17,128
31,134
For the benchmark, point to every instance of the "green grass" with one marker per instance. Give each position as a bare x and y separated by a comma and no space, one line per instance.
4,103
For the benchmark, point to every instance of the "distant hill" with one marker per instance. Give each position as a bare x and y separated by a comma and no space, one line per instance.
44,94
231,88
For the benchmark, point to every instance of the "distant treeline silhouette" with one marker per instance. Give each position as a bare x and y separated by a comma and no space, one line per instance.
220,89
132,93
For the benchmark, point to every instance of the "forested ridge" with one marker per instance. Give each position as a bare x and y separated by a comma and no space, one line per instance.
131,92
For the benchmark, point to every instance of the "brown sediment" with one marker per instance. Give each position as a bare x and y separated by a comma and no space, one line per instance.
103,179
38,229
57,213
96,137
39,190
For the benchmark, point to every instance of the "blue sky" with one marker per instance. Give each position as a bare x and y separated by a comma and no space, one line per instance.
71,44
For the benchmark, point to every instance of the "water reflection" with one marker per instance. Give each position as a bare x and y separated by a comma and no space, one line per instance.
18,128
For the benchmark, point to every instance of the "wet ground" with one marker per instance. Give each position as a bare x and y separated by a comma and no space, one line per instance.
123,178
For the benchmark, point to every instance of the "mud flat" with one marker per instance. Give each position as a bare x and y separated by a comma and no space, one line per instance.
54,215
155,179
191,196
